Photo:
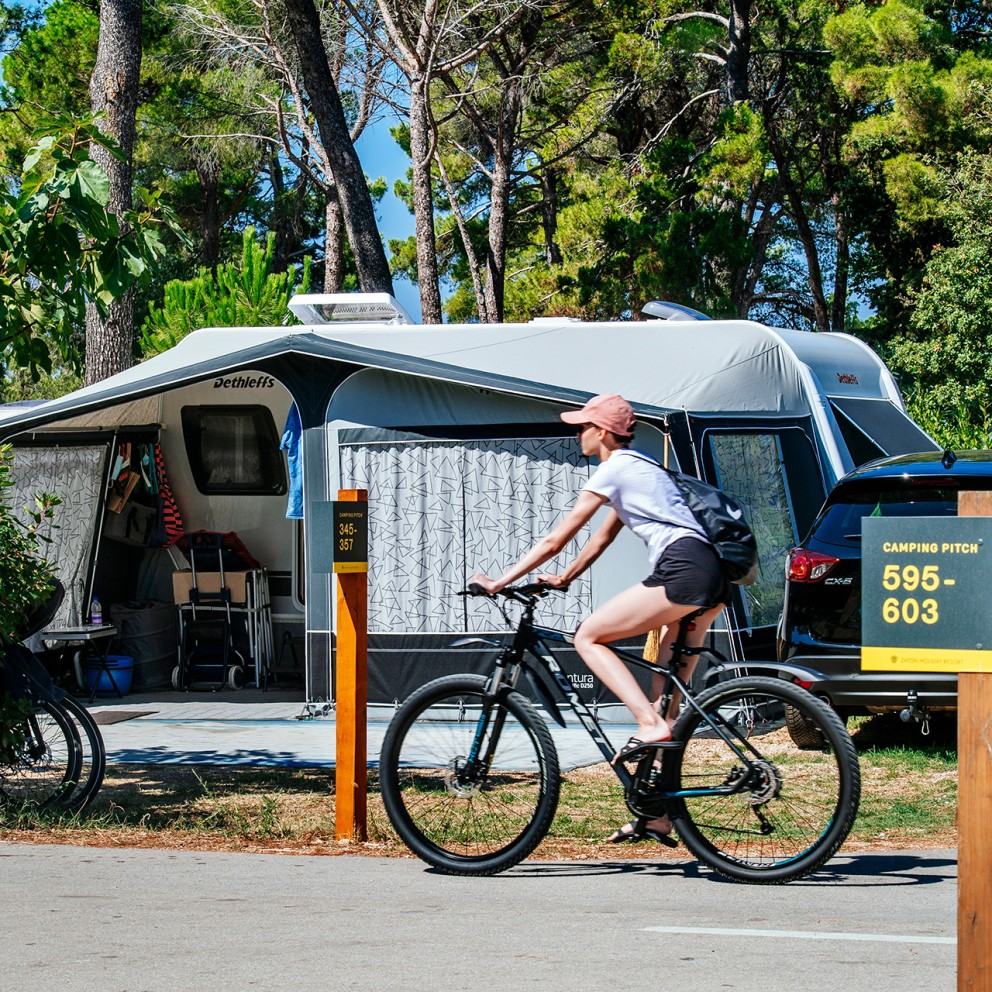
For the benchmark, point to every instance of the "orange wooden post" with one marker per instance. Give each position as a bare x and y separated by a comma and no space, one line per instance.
351,811
974,808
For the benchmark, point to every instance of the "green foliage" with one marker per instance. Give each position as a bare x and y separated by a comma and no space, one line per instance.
945,355
61,248
919,85
739,155
19,385
246,295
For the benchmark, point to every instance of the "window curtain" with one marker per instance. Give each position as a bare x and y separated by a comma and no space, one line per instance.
76,474
441,510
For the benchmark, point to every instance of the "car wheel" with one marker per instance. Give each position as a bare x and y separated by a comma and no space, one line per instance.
805,735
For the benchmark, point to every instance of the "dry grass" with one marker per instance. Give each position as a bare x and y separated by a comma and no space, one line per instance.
909,797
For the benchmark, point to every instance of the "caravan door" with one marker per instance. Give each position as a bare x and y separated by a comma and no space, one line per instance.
772,468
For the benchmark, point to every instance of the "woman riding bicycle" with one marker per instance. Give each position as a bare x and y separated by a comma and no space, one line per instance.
687,575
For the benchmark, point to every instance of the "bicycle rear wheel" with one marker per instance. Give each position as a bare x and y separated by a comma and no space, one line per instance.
461,821
93,764
789,815
45,770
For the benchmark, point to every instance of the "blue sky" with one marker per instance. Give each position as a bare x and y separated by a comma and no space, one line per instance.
382,156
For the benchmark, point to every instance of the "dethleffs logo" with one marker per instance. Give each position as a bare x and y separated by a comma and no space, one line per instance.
245,382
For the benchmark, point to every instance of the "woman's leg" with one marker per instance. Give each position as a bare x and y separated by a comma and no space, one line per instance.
694,639
634,611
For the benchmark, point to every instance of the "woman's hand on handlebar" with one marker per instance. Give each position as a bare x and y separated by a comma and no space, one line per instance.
555,581
491,586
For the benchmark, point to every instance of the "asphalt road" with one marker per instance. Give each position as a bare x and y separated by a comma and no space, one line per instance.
96,920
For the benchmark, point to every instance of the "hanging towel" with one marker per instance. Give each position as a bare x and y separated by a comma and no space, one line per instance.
291,437
170,511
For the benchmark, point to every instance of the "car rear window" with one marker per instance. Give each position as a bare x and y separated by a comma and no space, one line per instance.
840,524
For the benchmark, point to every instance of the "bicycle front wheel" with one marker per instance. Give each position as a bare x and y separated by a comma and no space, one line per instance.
462,816
790,811
45,770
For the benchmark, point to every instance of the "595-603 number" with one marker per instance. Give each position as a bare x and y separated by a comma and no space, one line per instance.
910,577
910,610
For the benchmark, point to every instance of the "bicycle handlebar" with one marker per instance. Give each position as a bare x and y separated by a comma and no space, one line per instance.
527,593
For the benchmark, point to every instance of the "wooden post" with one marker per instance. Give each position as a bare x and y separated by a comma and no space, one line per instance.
974,807
351,811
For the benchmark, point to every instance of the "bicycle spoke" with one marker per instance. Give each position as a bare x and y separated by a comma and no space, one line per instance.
470,821
790,809
46,770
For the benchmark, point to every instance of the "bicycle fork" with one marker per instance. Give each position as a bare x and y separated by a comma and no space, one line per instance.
489,726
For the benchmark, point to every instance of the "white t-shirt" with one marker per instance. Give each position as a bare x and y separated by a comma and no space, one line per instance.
645,499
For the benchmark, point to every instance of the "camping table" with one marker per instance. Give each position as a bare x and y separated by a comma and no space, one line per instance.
94,639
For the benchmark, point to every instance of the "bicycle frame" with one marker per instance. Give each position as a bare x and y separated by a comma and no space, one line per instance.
531,639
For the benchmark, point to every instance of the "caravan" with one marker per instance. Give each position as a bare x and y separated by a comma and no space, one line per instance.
454,432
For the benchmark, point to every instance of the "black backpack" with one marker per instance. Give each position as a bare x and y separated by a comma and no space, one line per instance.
723,522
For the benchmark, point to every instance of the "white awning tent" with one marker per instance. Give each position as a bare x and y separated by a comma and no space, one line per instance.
467,415
704,367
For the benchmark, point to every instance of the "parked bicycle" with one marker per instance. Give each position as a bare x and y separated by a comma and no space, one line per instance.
61,760
470,775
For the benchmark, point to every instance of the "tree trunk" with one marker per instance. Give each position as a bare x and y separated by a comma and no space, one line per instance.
353,190
333,244
549,215
499,196
738,51
208,174
114,93
808,241
423,204
839,310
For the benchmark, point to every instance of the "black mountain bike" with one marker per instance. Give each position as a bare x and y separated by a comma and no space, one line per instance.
470,775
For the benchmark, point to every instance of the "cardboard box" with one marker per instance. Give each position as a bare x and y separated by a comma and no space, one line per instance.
182,582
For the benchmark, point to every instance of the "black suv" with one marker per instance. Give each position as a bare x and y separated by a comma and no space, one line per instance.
821,619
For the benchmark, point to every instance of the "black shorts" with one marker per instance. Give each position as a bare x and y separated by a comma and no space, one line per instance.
691,574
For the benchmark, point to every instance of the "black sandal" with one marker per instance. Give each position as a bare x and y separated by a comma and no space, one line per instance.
639,830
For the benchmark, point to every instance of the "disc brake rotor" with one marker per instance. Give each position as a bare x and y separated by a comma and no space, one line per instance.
454,781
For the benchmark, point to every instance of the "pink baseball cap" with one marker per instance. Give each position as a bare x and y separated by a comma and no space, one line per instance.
608,410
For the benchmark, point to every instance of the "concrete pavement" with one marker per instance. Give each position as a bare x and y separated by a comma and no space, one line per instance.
262,729
89,920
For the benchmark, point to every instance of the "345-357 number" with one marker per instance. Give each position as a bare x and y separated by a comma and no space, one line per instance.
910,610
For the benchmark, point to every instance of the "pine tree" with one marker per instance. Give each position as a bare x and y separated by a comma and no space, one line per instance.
245,295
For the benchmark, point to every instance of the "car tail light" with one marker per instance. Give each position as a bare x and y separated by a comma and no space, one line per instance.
808,566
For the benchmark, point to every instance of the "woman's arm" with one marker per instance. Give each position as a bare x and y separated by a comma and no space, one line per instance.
594,547
576,518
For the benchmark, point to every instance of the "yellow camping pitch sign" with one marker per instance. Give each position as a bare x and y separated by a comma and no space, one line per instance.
925,600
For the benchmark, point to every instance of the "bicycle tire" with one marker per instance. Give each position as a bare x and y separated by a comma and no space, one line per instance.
46,771
808,799
476,829
93,754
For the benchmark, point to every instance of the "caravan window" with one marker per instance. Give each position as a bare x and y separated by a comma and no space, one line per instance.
234,450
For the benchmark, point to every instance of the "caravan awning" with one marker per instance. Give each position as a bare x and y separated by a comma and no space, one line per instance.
883,424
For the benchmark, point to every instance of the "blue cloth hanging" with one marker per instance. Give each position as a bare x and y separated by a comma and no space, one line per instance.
291,437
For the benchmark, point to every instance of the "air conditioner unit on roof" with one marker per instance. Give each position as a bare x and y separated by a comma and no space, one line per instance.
352,308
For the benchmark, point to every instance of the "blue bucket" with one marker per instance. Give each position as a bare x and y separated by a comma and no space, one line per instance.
121,667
